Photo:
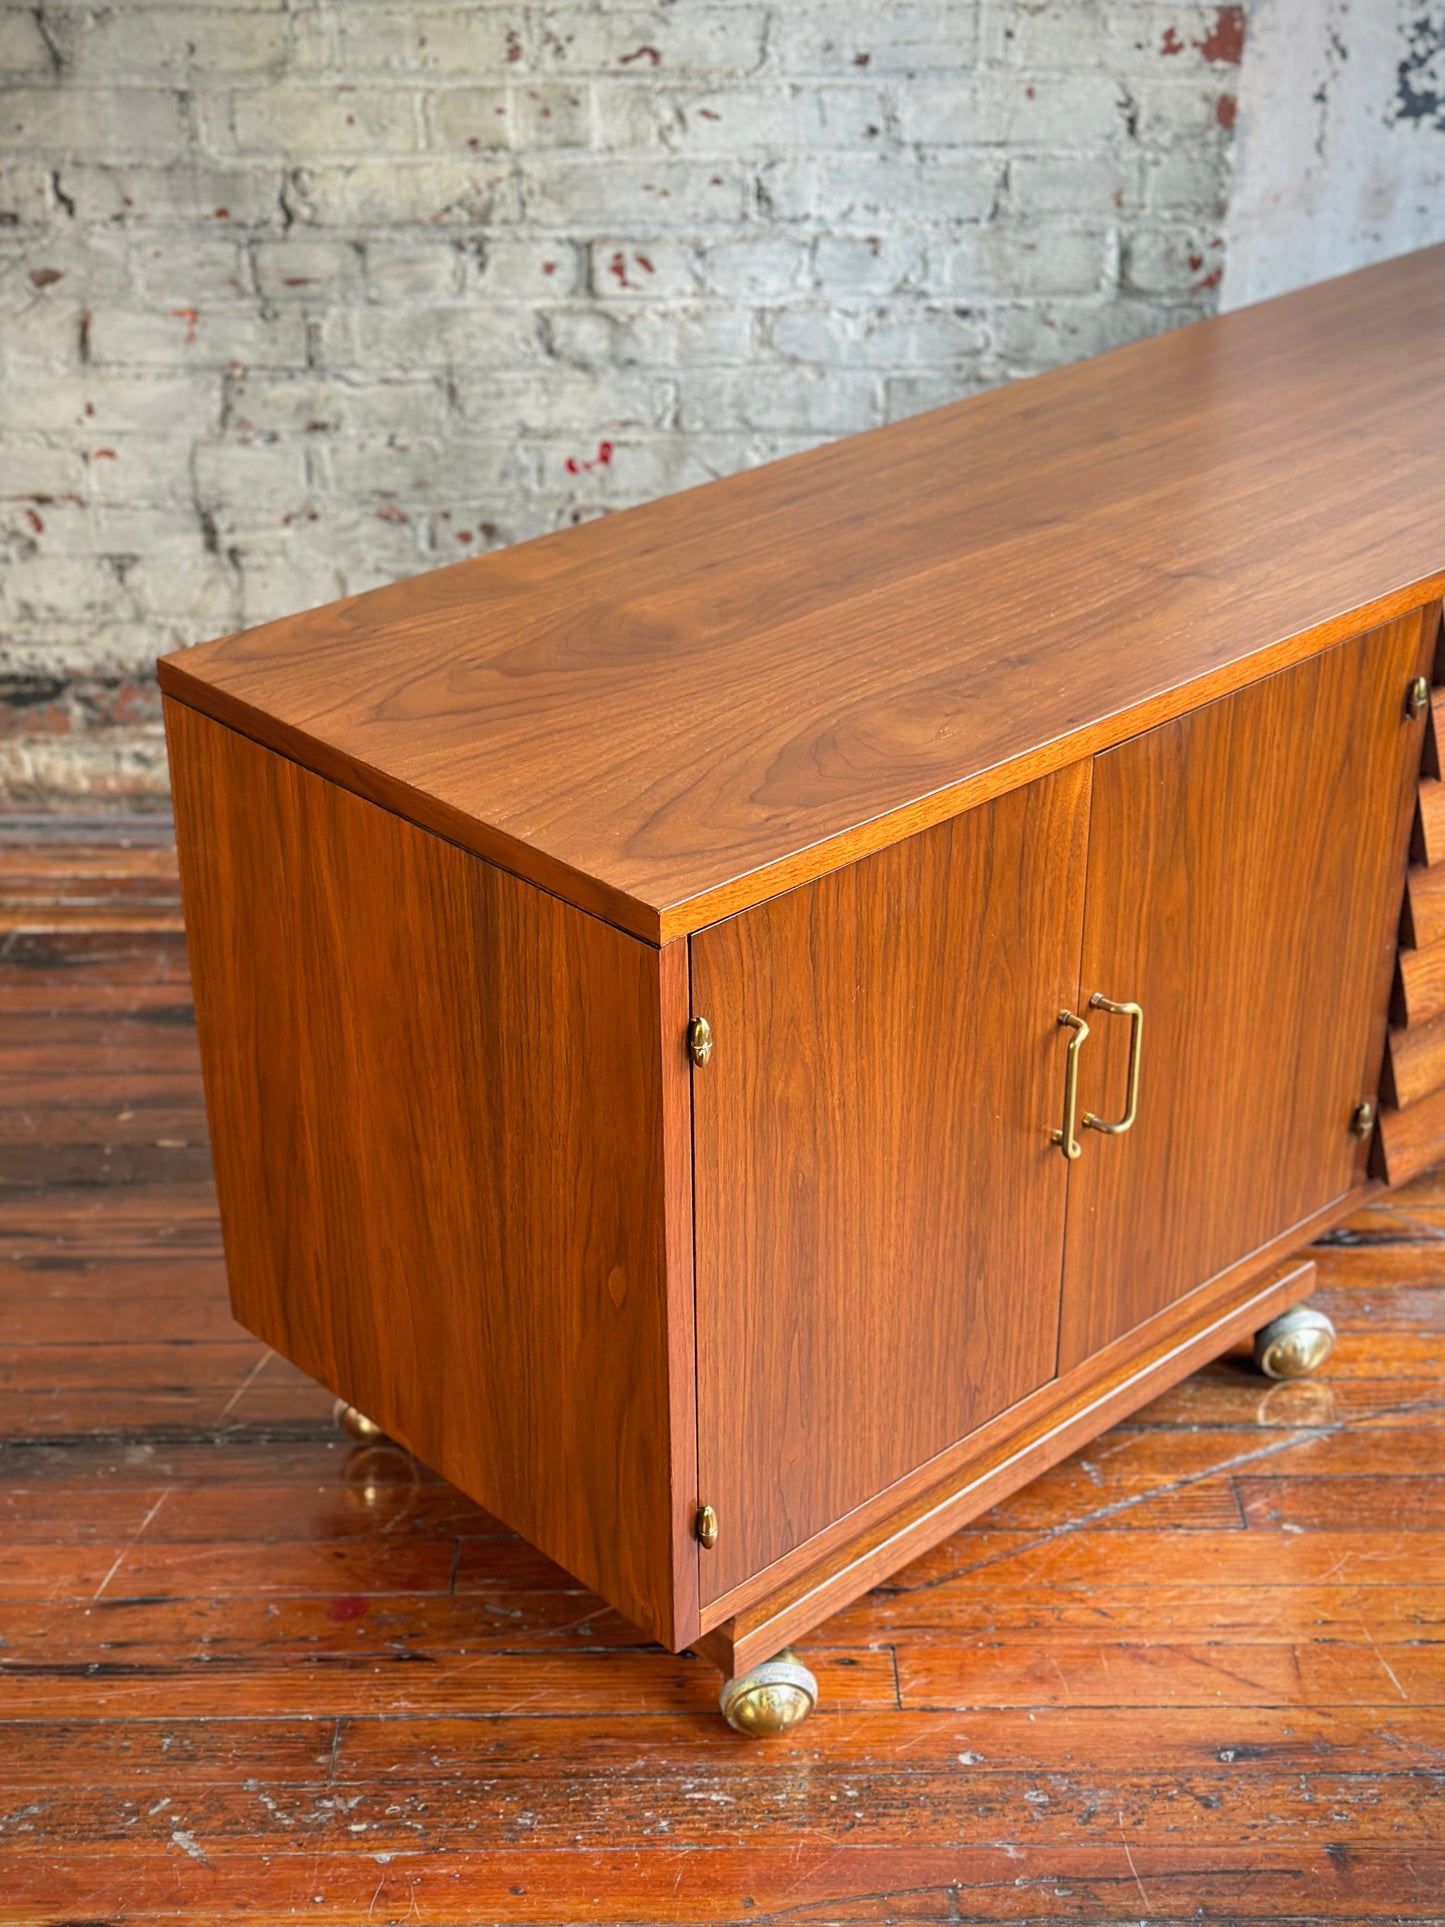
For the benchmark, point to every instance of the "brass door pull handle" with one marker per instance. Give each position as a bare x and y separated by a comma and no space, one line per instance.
1066,1138
1136,1045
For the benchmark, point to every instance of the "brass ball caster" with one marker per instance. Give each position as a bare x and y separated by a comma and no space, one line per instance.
356,1425
771,1699
1295,1344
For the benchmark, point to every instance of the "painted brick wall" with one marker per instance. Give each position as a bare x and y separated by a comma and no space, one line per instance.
298,298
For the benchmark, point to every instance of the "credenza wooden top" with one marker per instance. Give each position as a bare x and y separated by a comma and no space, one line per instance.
679,710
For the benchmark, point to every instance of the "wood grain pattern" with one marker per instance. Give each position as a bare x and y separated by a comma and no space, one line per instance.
437,1102
1419,993
1066,1415
892,1280
1224,849
665,718
1412,1140
1214,1712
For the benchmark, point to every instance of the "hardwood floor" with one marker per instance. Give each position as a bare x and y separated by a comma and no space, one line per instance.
249,1673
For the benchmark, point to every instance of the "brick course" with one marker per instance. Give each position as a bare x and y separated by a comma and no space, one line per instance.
296,298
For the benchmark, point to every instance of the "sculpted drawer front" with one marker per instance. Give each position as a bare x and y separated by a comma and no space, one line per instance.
1412,1115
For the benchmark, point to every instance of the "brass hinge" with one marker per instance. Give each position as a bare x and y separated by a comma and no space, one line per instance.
699,1040
1417,699
705,1526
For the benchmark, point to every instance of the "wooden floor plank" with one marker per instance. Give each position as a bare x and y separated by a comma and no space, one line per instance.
249,1673
1112,1880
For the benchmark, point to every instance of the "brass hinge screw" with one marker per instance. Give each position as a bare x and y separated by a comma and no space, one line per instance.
705,1526
699,1040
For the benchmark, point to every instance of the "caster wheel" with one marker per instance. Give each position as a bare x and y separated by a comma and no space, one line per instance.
1295,1344
771,1699
356,1425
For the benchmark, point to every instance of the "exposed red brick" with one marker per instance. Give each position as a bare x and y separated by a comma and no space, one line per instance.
1224,42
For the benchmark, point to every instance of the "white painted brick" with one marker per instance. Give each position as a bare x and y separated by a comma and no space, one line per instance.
883,263
1044,334
175,44
690,337
850,189
462,528
259,474
565,401
263,406
996,262
827,401
1186,181
653,42
139,470
224,196
767,266
883,338
905,39
41,335
187,270
1057,34
1151,37
643,468
507,270
906,395
92,402
304,267
1173,261
423,469
426,269
62,265
88,528
634,270
22,45
1099,184
558,190
542,114
279,550
472,118
401,340
422,193
461,42
315,44
630,117
760,121
25,194
33,589
124,122
1193,111
1010,109
36,467
187,337
107,645
195,588
302,121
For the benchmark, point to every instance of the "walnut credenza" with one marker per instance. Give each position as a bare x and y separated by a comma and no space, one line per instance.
742,1031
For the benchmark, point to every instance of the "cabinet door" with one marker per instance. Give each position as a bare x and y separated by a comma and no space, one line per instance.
879,1209
1244,880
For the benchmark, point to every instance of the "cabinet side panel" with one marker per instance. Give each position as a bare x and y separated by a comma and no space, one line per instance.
436,1108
